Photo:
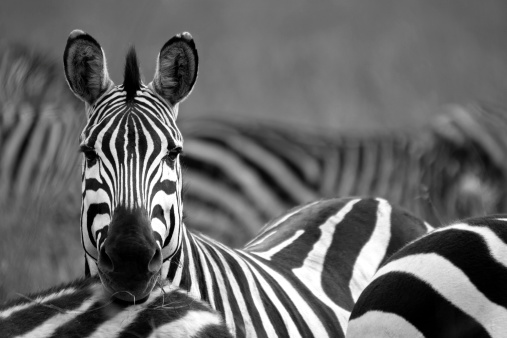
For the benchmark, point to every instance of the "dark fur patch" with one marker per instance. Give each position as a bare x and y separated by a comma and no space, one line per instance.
131,75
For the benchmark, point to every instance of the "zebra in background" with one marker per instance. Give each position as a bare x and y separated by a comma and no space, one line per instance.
82,309
299,277
39,119
39,170
238,175
449,170
449,283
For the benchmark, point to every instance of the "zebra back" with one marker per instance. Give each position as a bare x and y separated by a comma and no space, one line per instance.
83,309
303,273
449,283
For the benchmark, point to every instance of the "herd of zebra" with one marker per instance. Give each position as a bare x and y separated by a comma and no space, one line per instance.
328,267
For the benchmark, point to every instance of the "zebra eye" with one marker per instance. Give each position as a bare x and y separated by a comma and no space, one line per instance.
90,154
172,155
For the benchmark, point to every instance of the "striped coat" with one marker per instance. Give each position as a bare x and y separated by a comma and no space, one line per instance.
449,283
234,168
299,277
303,273
83,309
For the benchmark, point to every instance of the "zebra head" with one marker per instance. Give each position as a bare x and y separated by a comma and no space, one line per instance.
131,214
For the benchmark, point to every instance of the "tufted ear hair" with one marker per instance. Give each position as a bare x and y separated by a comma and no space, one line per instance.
176,71
85,67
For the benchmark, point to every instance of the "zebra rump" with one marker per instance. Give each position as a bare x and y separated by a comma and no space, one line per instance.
449,283
83,309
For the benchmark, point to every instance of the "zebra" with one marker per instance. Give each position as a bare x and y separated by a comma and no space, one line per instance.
39,119
442,173
299,277
456,163
82,309
448,283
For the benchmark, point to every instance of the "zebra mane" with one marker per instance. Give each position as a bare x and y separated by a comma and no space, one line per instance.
131,75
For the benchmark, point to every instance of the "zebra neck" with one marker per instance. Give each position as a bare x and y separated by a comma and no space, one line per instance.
191,267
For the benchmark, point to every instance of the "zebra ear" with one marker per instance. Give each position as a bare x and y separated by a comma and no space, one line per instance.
85,67
176,71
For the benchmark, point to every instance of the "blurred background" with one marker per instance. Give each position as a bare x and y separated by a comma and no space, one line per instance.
362,64
342,65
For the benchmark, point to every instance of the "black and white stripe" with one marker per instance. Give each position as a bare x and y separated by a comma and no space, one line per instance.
39,120
234,168
302,274
82,309
241,174
299,277
449,283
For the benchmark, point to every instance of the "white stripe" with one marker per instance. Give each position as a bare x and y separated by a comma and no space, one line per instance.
124,317
39,300
312,320
263,235
229,317
47,328
496,246
190,325
310,273
287,216
428,226
257,299
455,286
373,252
277,248
208,282
238,296
377,324
260,240
266,287
194,288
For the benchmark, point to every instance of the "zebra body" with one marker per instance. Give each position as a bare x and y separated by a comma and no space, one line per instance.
299,277
82,309
233,168
449,283
304,271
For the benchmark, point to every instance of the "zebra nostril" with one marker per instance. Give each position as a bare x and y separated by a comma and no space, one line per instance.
105,262
156,261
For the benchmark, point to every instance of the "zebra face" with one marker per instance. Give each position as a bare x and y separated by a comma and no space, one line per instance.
131,215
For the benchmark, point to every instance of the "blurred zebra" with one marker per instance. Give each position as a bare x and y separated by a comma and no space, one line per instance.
83,309
299,277
39,121
444,172
240,174
449,283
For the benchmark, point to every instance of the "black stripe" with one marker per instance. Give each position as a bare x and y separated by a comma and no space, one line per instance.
231,300
468,252
25,320
419,304
348,240
86,323
240,277
288,305
216,291
404,228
